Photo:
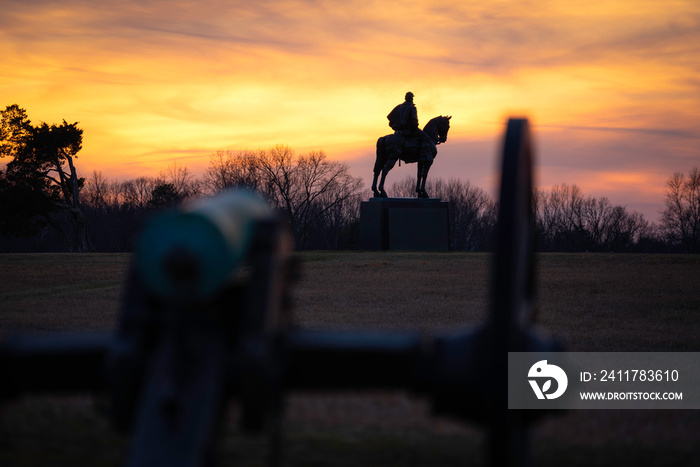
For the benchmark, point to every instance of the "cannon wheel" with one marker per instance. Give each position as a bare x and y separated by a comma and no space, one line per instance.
514,265
512,290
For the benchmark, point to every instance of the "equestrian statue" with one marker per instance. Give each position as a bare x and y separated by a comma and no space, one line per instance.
408,144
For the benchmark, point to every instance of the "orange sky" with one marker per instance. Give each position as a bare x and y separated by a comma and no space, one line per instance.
612,87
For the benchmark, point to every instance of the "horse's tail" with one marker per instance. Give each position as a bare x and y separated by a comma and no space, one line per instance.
381,155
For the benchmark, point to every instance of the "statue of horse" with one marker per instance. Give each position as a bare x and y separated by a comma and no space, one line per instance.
420,147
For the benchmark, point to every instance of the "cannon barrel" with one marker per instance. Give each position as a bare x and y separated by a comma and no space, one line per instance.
54,363
191,253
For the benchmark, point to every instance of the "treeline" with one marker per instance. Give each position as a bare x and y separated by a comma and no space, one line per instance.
566,220
319,197
46,206
322,202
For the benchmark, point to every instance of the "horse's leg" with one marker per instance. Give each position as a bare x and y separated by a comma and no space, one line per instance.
390,153
374,185
389,165
379,164
418,177
423,170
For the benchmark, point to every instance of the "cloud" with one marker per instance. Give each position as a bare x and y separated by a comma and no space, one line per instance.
664,132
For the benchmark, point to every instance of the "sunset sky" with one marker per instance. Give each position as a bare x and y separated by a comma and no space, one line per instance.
612,88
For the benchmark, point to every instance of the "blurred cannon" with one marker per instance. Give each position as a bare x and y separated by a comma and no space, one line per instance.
204,309
206,318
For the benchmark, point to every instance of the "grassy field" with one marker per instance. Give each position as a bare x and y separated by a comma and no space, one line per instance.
592,302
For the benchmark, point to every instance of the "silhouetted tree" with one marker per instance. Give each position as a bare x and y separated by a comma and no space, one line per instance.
24,211
311,189
560,218
97,190
567,220
42,165
183,182
228,169
113,220
137,192
164,195
472,214
681,218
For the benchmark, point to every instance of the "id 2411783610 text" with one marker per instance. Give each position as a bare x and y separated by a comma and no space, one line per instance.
630,376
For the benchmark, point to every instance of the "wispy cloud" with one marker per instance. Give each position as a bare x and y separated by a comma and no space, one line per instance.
663,132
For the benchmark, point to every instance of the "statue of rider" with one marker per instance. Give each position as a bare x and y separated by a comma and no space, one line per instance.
403,119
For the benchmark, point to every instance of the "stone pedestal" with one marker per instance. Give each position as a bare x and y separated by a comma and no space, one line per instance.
404,224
